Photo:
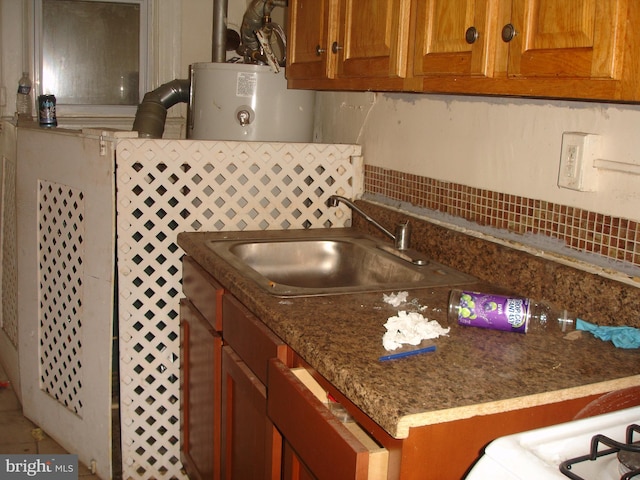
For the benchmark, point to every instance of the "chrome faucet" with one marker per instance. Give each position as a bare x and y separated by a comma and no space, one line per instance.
402,237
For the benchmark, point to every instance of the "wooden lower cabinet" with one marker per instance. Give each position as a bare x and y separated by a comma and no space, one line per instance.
252,445
293,468
448,450
317,444
247,413
200,412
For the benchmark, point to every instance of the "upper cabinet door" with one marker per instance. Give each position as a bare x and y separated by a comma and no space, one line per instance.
455,37
538,48
309,50
566,38
373,38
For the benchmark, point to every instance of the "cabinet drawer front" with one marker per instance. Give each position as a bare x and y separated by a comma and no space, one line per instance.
327,447
252,446
203,291
201,393
250,338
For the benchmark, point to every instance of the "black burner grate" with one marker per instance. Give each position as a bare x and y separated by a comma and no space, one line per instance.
631,450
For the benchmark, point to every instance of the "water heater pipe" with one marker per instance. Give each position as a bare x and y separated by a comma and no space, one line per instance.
252,21
219,50
152,112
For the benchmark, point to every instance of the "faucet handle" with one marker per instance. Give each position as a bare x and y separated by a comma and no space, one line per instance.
403,235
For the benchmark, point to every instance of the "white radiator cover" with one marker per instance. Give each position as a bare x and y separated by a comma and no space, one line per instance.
74,188
168,186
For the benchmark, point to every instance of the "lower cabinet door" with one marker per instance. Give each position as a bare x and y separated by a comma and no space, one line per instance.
252,446
317,444
201,394
293,468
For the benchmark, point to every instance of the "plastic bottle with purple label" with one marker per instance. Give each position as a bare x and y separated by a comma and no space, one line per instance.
507,313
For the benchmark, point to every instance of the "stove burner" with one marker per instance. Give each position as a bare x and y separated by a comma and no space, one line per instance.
630,459
628,454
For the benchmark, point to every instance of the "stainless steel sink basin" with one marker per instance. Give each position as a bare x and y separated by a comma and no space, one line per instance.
304,265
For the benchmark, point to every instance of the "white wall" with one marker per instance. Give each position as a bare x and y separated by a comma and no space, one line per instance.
508,145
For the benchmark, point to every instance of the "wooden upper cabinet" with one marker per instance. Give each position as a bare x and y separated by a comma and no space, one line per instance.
455,37
519,38
308,38
348,39
567,38
372,38
581,49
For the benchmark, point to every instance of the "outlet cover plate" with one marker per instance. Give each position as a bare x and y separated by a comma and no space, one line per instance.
577,156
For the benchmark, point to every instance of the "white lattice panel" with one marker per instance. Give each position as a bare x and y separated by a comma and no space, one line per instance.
65,200
166,187
9,254
61,258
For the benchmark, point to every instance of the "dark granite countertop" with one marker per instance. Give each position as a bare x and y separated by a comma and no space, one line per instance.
473,371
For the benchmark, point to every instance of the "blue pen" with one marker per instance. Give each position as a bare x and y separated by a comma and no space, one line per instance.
393,356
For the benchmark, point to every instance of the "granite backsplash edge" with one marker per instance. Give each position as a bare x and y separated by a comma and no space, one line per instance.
592,297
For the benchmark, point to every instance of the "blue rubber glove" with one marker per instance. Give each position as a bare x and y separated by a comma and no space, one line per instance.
622,337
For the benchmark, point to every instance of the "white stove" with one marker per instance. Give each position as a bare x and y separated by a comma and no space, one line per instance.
537,454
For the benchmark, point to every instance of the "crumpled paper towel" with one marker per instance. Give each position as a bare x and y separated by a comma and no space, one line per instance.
395,299
410,328
621,337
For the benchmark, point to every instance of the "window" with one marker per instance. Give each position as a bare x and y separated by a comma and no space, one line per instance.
92,55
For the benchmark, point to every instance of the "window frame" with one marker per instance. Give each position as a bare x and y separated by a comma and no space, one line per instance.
145,62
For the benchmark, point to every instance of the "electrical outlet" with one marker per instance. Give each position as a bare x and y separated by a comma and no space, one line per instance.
577,172
570,161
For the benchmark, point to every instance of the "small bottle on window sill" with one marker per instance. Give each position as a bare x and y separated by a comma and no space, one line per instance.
508,313
23,97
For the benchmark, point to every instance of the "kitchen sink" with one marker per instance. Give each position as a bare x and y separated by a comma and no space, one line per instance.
305,265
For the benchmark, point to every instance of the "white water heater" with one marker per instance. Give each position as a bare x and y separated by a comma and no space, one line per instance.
242,102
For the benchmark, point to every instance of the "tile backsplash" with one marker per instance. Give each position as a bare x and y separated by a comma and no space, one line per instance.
583,230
